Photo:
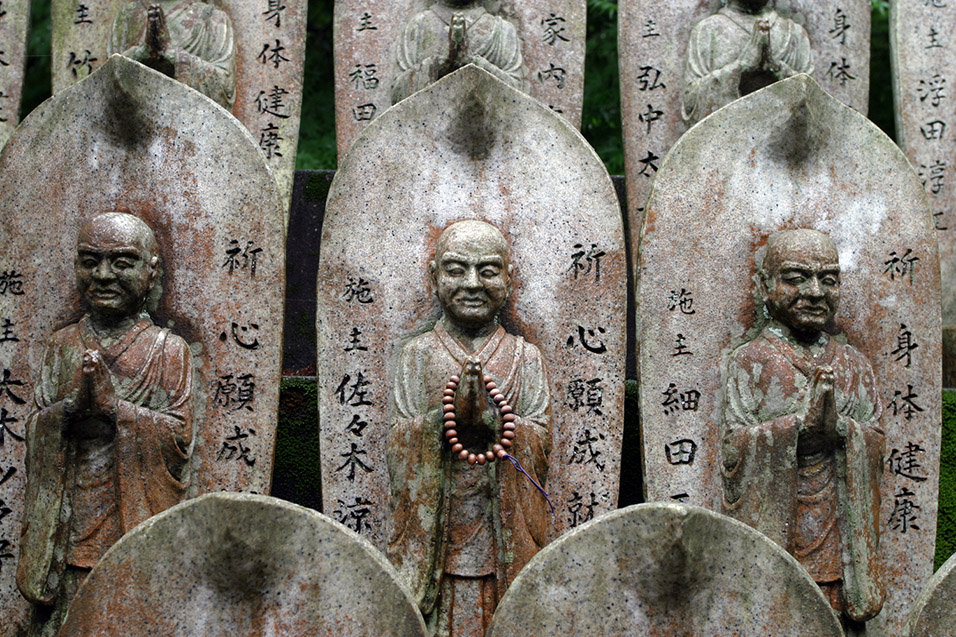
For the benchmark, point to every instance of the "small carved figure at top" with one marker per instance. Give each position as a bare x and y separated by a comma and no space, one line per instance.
112,424
450,35
464,394
802,446
187,40
743,47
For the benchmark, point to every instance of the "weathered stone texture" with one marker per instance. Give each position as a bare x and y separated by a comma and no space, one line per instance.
14,25
663,569
789,157
934,612
552,37
237,564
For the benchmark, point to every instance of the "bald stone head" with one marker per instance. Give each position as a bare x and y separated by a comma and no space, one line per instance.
117,265
799,280
747,6
472,273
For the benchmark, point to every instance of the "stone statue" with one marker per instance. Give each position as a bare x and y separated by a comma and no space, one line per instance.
450,35
108,440
741,48
462,526
187,40
802,447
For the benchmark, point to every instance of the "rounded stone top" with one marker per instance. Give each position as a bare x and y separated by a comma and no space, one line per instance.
239,564
663,569
934,612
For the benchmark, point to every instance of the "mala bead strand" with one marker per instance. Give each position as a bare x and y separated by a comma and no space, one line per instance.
499,450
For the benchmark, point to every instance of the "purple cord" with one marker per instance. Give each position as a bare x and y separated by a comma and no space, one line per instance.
518,466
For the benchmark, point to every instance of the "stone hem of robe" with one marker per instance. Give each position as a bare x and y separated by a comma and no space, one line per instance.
419,464
149,442
762,482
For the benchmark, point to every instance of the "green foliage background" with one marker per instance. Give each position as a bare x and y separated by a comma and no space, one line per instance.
296,468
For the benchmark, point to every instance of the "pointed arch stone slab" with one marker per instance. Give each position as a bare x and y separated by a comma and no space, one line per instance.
366,30
14,29
80,32
790,156
470,147
653,37
238,564
663,569
934,612
922,70
130,139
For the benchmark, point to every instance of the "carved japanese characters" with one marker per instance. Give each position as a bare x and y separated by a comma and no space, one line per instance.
815,421
663,569
449,35
14,23
190,41
246,55
145,357
454,512
467,292
802,447
112,425
743,47
239,564
923,72
387,49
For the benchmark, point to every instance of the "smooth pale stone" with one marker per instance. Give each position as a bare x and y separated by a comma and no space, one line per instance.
238,564
14,25
653,37
663,569
270,63
131,139
923,70
552,44
470,147
790,156
934,612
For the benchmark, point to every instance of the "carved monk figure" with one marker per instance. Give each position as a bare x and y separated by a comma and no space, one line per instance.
802,447
187,40
461,525
741,48
108,439
450,35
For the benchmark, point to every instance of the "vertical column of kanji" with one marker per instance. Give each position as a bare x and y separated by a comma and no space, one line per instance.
907,370
839,33
17,292
238,438
553,35
652,41
923,67
353,396
270,62
80,30
364,32
14,24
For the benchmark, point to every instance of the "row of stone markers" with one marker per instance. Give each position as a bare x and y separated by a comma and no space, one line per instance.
471,344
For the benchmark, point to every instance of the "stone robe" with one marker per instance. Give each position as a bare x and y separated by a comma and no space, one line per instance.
493,44
203,38
788,487
85,490
711,77
422,471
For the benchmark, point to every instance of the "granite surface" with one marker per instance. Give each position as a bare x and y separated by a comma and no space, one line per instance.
238,564
14,26
934,612
788,157
132,140
663,569
552,38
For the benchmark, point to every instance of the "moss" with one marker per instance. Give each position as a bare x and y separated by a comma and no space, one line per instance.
295,475
946,521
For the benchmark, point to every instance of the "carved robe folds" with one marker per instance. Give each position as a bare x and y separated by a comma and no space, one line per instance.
428,537
820,501
85,490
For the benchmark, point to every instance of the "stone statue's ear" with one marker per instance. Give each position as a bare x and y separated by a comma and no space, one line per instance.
433,271
762,287
153,267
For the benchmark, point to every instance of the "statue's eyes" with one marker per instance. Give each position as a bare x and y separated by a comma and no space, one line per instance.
489,273
88,263
454,271
123,264
794,279
829,281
